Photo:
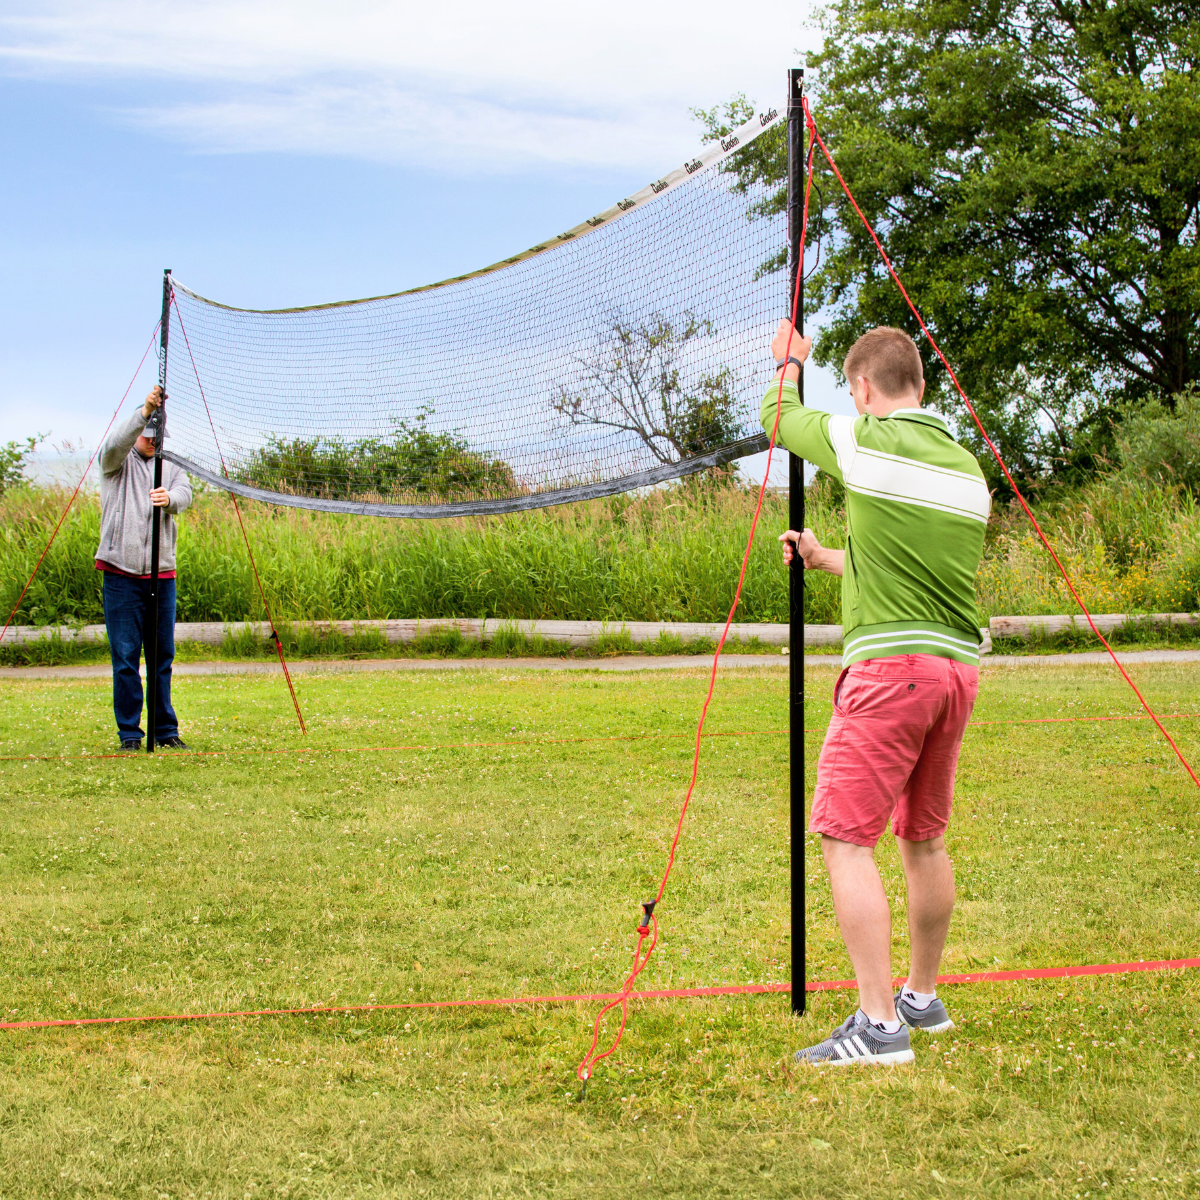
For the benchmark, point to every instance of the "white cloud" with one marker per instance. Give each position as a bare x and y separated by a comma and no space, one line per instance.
395,123
526,84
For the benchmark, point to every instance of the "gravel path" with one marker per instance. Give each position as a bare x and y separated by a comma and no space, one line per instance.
629,662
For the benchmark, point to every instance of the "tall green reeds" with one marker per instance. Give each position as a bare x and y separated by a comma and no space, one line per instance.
1130,545
669,555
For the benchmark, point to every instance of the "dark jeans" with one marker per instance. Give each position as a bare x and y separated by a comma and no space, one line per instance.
126,602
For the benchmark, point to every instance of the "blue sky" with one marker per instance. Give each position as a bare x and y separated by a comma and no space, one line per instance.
278,154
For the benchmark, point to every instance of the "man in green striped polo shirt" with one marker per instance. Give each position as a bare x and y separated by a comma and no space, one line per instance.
916,511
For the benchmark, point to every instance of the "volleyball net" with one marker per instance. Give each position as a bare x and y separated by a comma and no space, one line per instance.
623,353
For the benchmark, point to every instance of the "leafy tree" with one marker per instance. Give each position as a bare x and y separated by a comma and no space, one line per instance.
13,459
633,382
1161,445
1034,171
412,462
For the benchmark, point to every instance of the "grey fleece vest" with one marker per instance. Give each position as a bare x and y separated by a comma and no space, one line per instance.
126,479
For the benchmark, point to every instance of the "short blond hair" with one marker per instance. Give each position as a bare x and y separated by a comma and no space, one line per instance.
889,358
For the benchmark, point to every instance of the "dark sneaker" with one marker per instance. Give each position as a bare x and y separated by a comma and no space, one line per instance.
175,743
857,1040
131,744
934,1019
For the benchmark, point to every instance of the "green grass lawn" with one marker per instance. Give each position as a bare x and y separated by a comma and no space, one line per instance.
394,863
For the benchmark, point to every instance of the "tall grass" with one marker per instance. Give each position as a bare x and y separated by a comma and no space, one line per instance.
1130,545
669,555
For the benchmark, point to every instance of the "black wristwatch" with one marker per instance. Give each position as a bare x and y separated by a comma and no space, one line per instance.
791,359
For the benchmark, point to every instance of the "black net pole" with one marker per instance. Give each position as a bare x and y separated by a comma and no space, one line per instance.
795,215
150,627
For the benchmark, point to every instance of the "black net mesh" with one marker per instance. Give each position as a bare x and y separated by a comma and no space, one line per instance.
634,354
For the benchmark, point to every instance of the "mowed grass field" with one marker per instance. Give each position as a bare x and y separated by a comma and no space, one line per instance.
489,834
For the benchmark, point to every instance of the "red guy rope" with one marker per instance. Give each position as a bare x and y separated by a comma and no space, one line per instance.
237,509
991,446
745,989
75,493
650,922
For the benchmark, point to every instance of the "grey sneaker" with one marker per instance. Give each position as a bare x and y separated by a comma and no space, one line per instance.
934,1019
857,1040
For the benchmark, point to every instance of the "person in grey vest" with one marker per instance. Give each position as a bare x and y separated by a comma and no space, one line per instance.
127,500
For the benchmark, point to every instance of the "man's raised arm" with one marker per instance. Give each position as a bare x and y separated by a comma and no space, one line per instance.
803,431
123,439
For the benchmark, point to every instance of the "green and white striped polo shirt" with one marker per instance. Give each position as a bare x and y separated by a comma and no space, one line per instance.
916,511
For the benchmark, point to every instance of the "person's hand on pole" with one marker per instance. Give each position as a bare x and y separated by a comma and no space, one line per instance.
790,542
815,556
788,344
152,402
160,497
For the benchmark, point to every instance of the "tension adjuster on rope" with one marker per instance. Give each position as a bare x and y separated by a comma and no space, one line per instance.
647,909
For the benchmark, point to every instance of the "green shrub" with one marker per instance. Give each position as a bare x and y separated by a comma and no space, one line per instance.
1162,445
14,457
411,463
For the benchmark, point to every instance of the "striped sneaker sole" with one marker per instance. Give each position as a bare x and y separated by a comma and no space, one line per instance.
889,1058
856,1048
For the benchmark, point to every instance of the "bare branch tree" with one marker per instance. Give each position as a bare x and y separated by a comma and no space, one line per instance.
633,383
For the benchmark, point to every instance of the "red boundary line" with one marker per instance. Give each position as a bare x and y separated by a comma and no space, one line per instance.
571,741
747,989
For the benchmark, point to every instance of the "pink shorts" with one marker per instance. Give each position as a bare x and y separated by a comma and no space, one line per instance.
892,747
